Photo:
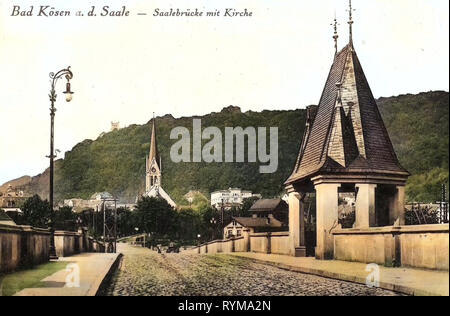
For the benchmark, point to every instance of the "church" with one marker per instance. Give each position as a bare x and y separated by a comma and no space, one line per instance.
153,167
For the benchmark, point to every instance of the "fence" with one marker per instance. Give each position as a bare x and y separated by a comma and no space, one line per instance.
275,243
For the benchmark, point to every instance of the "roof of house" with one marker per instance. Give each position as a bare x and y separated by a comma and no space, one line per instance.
347,133
267,205
258,222
5,219
101,195
158,192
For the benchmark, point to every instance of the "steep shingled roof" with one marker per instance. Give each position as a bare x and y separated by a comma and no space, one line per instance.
153,147
5,219
258,222
266,205
359,114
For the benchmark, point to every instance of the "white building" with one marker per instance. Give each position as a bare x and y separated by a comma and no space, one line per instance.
94,203
231,197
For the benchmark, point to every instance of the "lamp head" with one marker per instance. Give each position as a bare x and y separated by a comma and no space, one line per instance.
68,92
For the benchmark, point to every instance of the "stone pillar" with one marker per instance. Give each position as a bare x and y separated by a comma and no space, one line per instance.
327,197
269,243
365,206
397,209
296,225
246,234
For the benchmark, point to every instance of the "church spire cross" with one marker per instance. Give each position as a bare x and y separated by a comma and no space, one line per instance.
336,35
350,21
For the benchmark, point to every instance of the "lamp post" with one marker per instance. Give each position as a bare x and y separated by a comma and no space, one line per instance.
67,73
222,209
213,222
79,222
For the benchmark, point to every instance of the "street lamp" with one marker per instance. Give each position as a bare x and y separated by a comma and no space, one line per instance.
67,73
213,222
222,219
79,221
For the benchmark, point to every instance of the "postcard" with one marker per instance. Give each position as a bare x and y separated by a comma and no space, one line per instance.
224,156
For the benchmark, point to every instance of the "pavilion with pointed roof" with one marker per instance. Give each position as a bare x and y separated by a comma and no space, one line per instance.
153,167
345,148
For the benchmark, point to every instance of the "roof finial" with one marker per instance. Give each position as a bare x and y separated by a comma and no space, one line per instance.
350,21
335,36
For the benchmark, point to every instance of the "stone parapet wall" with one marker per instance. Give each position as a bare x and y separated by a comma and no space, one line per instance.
276,243
70,243
241,245
94,246
25,246
424,246
260,243
279,244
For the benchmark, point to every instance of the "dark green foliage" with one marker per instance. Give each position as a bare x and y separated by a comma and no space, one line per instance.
420,215
246,206
36,213
126,222
115,162
418,126
65,219
188,225
155,216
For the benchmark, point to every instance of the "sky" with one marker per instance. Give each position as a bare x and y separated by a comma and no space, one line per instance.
126,68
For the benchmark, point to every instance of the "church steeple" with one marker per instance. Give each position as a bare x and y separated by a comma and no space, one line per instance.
350,22
153,145
153,163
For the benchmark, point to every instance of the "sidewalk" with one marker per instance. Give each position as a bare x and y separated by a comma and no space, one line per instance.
403,280
93,269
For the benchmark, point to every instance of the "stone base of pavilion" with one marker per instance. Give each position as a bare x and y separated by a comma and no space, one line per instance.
416,282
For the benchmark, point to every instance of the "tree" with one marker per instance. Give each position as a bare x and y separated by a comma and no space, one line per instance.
188,224
36,212
125,222
65,219
156,216
246,206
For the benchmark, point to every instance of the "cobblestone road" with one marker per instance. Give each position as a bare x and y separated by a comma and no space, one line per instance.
144,272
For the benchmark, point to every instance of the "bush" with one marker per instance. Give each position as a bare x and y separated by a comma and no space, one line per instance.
420,215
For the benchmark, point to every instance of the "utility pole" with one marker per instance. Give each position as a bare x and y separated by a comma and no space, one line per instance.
222,220
444,204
